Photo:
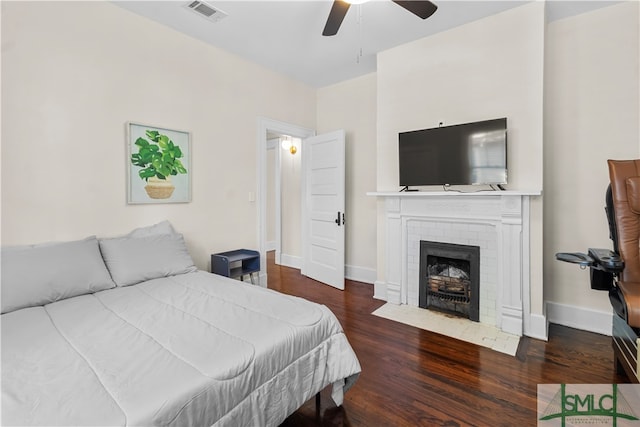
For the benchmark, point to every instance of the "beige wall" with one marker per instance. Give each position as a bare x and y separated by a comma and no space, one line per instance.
73,73
591,114
486,69
351,105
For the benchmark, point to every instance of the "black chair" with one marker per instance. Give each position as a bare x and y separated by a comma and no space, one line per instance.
618,271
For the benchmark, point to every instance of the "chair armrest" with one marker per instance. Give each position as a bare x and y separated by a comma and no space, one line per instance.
606,260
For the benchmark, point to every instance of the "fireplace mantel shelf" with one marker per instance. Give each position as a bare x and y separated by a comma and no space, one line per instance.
454,193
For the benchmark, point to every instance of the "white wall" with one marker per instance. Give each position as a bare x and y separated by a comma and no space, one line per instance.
591,114
351,105
291,215
487,69
73,73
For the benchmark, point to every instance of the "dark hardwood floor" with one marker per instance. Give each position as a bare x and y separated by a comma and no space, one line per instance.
412,377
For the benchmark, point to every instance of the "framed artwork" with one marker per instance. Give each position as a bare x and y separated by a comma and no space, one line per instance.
158,164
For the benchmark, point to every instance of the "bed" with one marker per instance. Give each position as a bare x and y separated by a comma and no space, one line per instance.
126,331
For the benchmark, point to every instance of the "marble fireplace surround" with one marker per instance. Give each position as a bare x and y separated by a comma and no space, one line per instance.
496,221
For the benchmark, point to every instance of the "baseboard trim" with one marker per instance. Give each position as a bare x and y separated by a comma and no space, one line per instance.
538,327
360,274
380,290
351,272
599,322
291,261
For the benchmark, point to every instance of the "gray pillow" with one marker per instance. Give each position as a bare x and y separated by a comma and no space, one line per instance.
40,274
134,260
163,227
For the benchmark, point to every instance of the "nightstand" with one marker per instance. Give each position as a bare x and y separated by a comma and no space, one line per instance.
236,263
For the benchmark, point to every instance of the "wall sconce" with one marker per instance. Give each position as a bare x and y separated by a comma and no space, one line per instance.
287,144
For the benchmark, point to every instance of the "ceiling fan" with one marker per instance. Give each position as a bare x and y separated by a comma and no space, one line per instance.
421,8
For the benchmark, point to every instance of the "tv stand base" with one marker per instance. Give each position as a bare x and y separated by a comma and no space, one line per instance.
406,188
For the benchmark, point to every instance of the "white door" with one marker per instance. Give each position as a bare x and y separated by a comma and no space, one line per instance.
323,219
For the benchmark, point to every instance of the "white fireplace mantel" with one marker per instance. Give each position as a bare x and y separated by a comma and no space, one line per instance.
496,221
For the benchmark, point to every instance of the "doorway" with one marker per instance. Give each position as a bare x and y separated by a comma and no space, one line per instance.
270,130
283,200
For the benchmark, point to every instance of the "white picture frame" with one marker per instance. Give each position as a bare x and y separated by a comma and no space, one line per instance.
153,154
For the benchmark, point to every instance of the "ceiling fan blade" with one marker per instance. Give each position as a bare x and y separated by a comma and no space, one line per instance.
421,8
336,16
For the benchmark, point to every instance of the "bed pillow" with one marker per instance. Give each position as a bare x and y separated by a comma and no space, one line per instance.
163,227
40,274
132,260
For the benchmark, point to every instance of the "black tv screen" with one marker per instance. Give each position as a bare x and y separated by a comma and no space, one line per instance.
465,154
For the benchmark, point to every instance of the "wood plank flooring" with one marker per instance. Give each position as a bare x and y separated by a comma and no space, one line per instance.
412,377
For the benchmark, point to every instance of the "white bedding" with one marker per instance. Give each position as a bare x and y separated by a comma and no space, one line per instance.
189,350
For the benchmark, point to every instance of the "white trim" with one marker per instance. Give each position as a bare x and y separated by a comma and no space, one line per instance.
291,261
538,327
360,274
380,290
276,245
527,317
586,319
471,193
355,273
278,202
412,216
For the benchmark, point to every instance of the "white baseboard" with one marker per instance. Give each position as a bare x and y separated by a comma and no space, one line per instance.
582,318
380,290
538,327
270,246
291,261
360,274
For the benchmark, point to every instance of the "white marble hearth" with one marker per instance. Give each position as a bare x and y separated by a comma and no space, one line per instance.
452,326
496,221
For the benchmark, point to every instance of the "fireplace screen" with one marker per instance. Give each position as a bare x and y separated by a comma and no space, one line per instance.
449,278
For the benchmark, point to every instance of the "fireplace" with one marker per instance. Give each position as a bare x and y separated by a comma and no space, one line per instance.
450,278
496,221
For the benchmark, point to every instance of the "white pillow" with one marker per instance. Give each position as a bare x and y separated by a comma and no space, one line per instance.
40,274
132,260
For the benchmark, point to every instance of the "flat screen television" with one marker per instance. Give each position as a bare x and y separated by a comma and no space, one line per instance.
465,154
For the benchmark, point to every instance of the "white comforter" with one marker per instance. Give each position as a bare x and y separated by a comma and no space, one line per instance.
189,350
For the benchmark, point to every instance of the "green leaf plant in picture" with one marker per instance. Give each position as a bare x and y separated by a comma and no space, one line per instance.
159,159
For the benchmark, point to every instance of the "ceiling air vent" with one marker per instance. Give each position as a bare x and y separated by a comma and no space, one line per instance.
206,10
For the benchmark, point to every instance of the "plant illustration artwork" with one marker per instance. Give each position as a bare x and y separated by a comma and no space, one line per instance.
158,159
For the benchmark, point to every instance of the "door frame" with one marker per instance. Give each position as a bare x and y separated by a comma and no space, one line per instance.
269,125
275,144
